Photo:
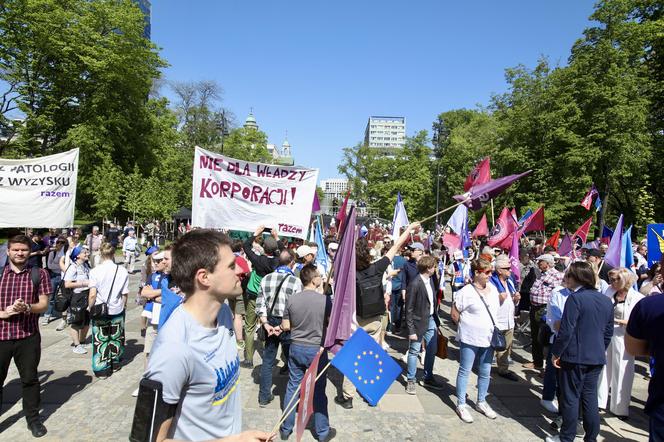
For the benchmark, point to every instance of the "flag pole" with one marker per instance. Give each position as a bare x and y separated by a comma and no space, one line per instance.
493,217
444,210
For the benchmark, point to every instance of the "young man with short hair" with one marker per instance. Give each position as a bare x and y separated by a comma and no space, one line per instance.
195,356
20,305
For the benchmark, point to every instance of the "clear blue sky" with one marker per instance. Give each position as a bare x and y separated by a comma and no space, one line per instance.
319,69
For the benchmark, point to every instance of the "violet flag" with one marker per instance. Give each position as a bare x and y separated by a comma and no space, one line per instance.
343,308
315,206
565,247
478,196
612,256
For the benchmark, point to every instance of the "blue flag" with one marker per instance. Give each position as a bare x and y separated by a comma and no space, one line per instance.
367,366
598,204
525,217
321,256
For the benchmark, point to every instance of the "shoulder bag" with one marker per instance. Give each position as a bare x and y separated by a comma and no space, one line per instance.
100,311
262,336
62,294
498,342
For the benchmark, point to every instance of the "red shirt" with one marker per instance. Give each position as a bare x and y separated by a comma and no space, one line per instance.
15,286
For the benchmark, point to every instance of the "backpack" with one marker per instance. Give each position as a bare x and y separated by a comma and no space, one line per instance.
369,301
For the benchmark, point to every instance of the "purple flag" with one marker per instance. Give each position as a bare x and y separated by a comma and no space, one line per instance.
514,256
315,206
478,196
612,256
343,307
565,247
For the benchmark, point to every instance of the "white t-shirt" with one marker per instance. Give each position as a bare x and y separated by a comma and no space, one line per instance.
427,284
505,318
199,367
475,326
101,277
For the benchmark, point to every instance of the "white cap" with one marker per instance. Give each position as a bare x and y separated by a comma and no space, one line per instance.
303,251
546,257
158,256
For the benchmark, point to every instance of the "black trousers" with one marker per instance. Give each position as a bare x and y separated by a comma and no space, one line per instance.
26,353
536,349
578,385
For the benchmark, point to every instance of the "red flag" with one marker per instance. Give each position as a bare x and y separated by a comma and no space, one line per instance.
588,199
482,228
452,242
553,240
505,225
514,215
535,221
581,234
341,215
480,174
305,408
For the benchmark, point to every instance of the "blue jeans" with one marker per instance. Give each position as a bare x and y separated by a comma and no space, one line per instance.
396,307
50,309
550,379
269,356
467,356
299,360
431,340
657,424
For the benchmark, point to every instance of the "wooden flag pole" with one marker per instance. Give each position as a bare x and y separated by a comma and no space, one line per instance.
493,216
444,210
289,409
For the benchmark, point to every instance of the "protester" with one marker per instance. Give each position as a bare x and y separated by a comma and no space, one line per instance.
460,271
276,288
653,282
540,293
595,257
644,337
77,277
530,272
237,304
109,284
93,242
24,293
473,308
129,248
618,374
370,300
508,297
55,273
113,235
37,250
305,317
422,322
262,264
396,300
305,255
195,357
579,351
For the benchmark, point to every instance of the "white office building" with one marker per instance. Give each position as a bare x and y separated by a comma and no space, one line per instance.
385,132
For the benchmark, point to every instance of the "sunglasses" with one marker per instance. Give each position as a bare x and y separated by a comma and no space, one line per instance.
612,280
487,272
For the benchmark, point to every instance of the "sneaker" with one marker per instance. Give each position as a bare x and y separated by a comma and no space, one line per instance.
549,406
557,423
330,435
246,364
464,413
410,387
135,393
79,350
431,384
45,320
484,408
62,325
264,404
345,403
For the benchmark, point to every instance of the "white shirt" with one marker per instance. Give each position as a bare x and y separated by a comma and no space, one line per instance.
101,277
129,244
475,325
427,284
505,318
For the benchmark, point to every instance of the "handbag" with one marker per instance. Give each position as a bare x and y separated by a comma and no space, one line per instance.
441,351
262,333
100,311
498,342
62,297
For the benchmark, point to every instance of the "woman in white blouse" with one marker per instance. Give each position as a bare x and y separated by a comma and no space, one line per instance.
473,309
618,374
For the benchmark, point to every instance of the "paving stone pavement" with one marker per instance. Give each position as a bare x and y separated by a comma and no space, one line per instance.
78,407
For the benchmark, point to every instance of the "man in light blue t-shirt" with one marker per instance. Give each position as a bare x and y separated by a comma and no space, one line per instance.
195,355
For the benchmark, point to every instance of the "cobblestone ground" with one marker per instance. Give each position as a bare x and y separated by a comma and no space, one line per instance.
79,407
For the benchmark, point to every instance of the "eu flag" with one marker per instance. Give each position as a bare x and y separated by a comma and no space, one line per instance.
367,366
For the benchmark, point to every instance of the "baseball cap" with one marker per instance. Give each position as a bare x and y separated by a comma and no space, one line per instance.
151,250
546,257
417,246
333,246
303,251
242,264
502,262
158,256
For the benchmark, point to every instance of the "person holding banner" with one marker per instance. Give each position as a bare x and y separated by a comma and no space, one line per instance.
195,355
305,316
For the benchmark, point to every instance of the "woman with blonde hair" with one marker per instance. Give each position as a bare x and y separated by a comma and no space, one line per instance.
618,374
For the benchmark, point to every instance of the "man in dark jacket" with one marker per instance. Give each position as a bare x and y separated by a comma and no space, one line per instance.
579,351
262,265
422,322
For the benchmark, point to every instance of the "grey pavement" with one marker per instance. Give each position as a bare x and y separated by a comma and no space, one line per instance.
78,407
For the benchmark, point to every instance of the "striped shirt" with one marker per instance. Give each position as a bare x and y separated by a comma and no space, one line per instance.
15,286
540,293
269,286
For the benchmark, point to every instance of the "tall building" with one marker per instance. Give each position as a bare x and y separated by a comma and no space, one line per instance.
146,7
385,132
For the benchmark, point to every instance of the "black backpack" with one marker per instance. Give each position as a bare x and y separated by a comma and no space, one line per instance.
369,299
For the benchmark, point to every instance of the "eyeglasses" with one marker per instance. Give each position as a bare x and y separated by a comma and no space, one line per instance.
506,268
612,280
487,272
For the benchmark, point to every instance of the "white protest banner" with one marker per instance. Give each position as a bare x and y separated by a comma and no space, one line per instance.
39,192
238,195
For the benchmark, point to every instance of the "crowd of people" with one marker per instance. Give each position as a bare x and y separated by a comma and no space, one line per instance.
206,299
